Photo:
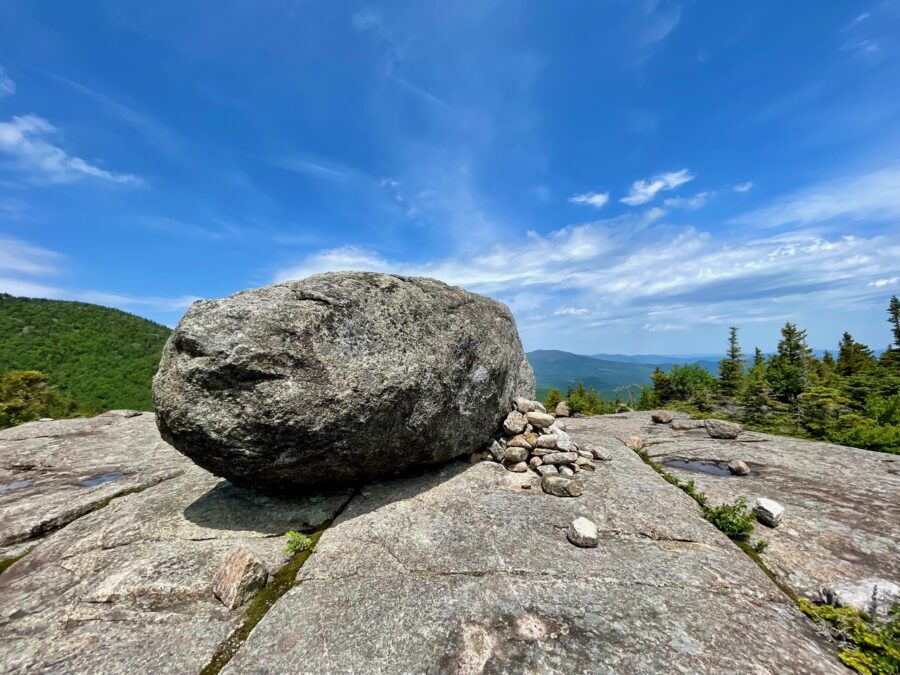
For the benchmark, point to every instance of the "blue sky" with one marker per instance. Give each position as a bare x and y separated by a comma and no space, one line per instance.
628,176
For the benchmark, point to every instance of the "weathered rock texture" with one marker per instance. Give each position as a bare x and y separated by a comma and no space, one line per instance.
129,588
421,575
842,505
54,472
415,575
338,379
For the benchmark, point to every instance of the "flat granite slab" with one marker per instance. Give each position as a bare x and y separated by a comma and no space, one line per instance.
842,505
467,569
56,471
128,588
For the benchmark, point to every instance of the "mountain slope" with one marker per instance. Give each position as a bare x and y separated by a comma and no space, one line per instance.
102,358
553,368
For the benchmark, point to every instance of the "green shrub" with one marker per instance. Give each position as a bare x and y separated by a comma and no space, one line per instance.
297,542
869,648
761,545
734,519
27,395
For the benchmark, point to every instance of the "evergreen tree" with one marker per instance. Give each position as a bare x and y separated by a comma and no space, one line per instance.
758,358
689,380
662,387
756,396
731,368
853,357
828,360
894,319
789,367
646,400
554,398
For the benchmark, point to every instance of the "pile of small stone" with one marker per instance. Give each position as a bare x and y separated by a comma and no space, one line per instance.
531,440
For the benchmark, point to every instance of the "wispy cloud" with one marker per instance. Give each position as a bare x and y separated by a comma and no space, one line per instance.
20,258
858,20
315,168
743,187
643,191
880,283
7,86
595,199
30,271
689,203
662,327
662,19
870,196
625,270
12,209
369,21
861,46
148,126
25,139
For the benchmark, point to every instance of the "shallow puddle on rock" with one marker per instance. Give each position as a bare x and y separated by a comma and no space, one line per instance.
101,479
14,485
713,467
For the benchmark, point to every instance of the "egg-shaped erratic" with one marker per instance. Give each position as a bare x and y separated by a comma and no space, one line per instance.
338,379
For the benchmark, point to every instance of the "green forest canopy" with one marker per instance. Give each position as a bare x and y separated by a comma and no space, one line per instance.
100,358
851,399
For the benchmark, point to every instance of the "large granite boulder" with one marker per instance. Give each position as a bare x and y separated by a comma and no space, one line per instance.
338,379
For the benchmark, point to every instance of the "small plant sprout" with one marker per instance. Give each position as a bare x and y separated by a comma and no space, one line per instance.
297,542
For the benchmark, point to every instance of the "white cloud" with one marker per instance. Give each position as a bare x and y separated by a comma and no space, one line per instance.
661,22
871,196
314,168
861,47
24,138
743,187
689,203
19,258
880,283
595,199
28,270
7,86
859,19
626,270
643,191
341,259
661,327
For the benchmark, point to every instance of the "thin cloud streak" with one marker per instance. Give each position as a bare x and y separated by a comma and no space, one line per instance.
595,199
645,190
870,196
7,86
24,138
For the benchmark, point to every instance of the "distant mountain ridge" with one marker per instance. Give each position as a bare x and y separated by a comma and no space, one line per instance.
615,374
658,359
100,357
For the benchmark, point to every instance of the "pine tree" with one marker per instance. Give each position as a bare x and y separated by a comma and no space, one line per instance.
554,398
731,368
894,319
756,395
758,358
789,367
853,357
828,360
662,387
646,400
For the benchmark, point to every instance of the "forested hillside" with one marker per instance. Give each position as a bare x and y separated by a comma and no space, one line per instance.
99,357
558,369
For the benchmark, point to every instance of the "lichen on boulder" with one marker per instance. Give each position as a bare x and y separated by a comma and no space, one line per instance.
338,379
